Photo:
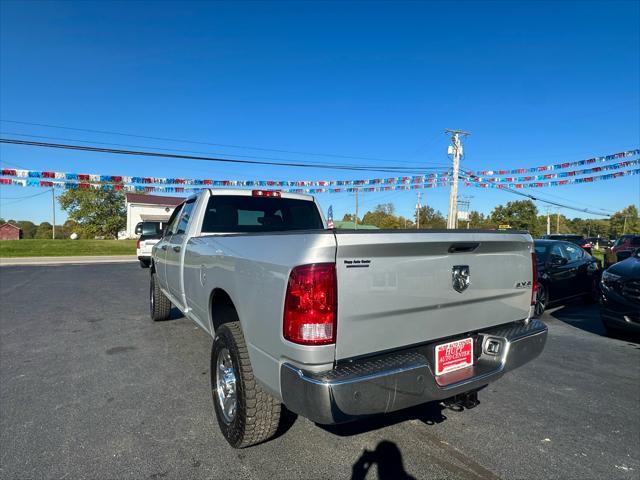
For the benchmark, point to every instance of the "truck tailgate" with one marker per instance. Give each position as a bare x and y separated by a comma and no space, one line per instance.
396,289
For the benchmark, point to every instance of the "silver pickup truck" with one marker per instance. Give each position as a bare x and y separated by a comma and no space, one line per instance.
338,325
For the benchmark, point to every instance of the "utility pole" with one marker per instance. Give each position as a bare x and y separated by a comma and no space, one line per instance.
548,221
558,221
624,227
356,219
418,207
455,149
53,209
464,205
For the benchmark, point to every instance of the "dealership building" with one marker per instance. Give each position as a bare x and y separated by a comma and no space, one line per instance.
141,208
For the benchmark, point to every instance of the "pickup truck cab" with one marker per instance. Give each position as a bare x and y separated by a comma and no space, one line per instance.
337,325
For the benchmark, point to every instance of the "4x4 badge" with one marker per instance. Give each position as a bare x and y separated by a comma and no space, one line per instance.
460,277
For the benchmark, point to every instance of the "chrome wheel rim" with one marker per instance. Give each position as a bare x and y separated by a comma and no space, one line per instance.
540,301
151,296
226,386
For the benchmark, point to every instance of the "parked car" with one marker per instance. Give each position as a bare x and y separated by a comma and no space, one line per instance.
338,325
565,272
568,237
622,249
601,242
620,300
150,233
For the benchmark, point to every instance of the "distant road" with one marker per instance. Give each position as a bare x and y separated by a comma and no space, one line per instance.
5,262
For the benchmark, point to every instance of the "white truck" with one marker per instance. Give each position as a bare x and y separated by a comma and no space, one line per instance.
149,234
339,325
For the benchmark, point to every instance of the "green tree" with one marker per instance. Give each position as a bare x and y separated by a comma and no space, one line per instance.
97,212
28,228
349,217
431,218
382,217
65,230
405,222
624,221
520,215
44,230
477,220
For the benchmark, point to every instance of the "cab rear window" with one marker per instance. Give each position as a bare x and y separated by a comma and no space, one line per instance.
233,213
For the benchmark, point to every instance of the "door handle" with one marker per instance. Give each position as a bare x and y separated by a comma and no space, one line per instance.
176,248
163,247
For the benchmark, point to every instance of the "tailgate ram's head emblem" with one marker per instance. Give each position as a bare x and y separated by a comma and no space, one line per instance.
460,277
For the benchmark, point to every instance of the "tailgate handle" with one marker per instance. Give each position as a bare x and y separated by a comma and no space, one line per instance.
463,247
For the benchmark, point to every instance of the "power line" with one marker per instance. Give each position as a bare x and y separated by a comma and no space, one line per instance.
195,151
20,199
141,153
467,177
576,201
197,142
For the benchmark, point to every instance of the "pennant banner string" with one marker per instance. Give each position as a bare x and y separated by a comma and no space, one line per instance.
562,166
471,181
468,180
416,179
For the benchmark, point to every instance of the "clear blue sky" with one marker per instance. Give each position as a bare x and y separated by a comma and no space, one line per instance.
535,83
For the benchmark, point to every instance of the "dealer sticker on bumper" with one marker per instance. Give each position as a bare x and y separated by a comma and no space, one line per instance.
454,356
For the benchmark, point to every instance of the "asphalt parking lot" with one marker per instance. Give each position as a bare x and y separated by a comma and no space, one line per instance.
90,387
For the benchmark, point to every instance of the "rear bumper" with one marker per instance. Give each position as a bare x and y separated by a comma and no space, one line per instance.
393,381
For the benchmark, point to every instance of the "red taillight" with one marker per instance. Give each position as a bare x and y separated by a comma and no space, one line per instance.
138,244
534,284
266,193
310,305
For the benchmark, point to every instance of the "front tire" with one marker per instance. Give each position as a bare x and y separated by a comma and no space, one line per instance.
247,415
159,304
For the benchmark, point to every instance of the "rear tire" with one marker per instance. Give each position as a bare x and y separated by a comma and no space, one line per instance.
592,296
251,416
542,300
144,263
159,304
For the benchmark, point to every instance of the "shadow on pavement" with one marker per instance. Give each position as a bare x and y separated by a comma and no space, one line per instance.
587,318
287,419
584,317
387,457
176,314
429,413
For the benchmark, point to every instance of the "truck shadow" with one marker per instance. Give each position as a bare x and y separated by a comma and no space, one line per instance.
587,318
388,459
429,414
584,317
